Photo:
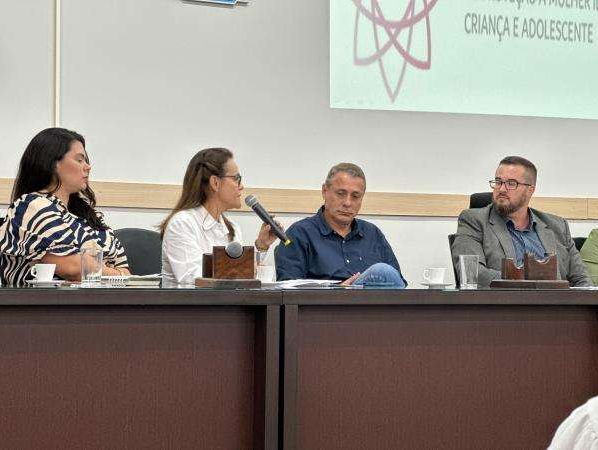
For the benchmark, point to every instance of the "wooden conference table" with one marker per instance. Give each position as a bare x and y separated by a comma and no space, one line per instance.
138,369
301,369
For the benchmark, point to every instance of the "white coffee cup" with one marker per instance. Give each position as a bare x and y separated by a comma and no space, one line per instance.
434,275
43,272
266,274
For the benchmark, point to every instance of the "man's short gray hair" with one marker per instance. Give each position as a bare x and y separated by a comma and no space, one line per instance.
349,168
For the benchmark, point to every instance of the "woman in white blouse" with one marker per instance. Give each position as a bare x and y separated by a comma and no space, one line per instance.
212,186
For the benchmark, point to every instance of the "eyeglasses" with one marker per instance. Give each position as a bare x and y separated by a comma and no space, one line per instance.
510,185
236,178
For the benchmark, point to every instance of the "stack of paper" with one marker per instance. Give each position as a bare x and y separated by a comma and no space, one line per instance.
145,280
301,284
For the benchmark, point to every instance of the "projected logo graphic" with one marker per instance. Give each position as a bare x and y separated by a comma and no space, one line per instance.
392,31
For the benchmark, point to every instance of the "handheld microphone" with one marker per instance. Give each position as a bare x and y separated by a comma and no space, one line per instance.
234,250
252,202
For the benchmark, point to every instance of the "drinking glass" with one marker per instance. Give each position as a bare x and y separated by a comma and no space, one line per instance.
469,271
91,266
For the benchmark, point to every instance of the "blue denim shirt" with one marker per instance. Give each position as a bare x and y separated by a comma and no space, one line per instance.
318,252
526,241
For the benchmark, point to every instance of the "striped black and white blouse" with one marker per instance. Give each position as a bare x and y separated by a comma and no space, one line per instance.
39,223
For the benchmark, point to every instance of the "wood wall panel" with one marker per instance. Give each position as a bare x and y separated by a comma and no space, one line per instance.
306,201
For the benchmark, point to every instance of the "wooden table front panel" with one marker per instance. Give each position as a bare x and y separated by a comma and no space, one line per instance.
127,377
431,377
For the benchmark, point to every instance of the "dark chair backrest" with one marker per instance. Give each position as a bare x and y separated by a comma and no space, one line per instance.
579,241
451,239
480,199
143,249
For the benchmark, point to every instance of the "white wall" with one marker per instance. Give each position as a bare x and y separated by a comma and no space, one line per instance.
26,76
155,81
150,82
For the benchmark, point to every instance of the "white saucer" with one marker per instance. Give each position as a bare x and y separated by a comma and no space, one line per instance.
435,285
51,283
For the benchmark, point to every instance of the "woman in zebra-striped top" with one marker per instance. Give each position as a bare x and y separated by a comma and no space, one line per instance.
52,212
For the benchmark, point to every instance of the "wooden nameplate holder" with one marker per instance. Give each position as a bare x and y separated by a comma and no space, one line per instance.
533,275
221,271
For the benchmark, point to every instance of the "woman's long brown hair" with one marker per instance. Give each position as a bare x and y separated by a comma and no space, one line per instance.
196,184
37,171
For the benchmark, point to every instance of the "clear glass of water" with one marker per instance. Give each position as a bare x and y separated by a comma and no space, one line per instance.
91,266
468,265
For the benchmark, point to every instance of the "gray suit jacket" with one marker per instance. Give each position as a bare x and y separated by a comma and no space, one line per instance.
483,232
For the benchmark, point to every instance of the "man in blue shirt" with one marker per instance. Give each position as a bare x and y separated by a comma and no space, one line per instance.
333,244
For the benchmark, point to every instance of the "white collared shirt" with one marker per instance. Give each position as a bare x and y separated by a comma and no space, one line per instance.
191,233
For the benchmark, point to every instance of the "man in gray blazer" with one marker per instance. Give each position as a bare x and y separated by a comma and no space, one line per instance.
509,228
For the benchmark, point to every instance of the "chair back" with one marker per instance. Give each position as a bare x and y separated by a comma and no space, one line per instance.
480,199
451,239
143,249
579,241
